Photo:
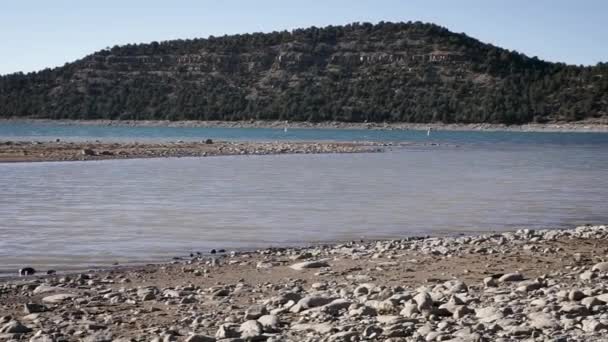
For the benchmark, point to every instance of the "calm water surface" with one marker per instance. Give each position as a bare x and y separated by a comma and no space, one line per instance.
78,214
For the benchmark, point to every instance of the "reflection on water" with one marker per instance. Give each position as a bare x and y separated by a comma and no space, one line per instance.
76,214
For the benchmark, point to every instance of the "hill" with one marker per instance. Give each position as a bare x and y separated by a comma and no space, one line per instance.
388,72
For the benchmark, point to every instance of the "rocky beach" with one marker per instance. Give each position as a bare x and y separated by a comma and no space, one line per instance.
29,151
545,285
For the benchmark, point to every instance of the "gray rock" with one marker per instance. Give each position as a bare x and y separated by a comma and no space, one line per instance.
424,301
541,320
488,314
372,332
255,312
593,325
59,298
576,295
30,308
14,327
309,264
510,277
270,323
600,267
321,328
228,330
309,302
335,306
410,310
200,338
590,302
251,330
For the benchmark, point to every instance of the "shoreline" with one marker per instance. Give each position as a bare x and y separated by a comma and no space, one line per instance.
588,126
31,151
481,287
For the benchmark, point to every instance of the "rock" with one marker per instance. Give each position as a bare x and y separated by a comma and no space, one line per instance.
255,312
372,332
574,309
46,289
309,264
309,302
200,338
528,286
321,328
490,282
59,298
511,277
14,327
335,306
601,267
587,275
590,302
410,310
541,320
576,295
87,152
208,141
30,308
488,314
270,323
593,325
228,330
251,329
26,271
344,336
424,301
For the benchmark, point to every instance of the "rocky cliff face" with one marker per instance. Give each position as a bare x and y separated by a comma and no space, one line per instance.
386,72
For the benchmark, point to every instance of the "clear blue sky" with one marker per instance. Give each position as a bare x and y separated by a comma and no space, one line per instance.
39,34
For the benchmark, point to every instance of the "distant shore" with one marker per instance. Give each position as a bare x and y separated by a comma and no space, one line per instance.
29,151
577,126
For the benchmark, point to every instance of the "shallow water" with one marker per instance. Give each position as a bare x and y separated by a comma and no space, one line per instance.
66,215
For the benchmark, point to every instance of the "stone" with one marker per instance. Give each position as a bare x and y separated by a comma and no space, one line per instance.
424,301
30,308
309,264
270,323
228,330
200,338
488,314
576,295
251,329
59,298
309,302
541,320
410,310
87,152
590,302
574,309
510,277
46,289
335,306
255,312
14,327
600,267
321,328
372,332
26,271
593,325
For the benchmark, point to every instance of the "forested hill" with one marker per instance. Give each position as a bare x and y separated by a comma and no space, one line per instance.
412,72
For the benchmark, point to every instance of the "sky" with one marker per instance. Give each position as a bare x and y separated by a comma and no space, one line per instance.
39,34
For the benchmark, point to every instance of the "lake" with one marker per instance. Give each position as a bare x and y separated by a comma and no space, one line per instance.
76,215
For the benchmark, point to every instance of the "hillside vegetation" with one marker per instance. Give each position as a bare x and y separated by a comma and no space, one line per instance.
388,72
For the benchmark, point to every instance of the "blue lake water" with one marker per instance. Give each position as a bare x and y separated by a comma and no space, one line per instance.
47,132
69,215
